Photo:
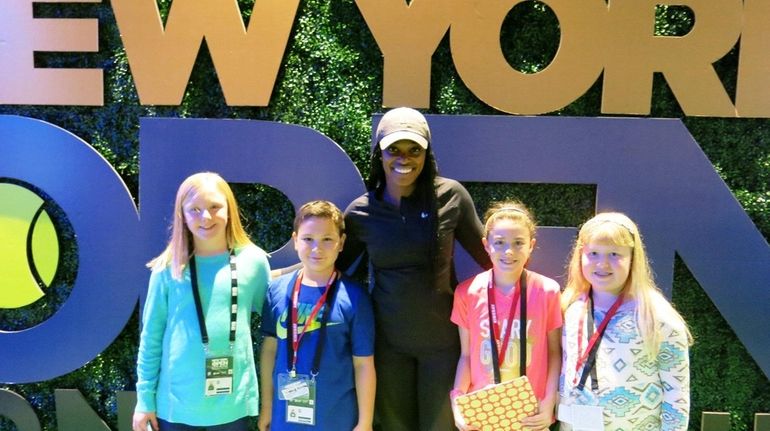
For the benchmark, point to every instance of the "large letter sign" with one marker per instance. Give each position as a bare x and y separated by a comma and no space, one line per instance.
246,59
22,35
651,169
112,242
106,223
616,38
300,162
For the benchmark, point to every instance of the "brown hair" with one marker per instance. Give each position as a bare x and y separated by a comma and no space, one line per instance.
323,209
511,210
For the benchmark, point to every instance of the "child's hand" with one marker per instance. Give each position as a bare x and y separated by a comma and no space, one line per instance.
542,420
141,419
460,420
461,425
263,423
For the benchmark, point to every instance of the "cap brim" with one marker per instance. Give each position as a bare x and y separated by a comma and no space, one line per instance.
401,135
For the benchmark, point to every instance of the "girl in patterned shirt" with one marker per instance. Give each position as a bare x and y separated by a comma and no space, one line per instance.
625,348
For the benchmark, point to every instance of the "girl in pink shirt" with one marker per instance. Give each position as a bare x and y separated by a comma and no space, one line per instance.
487,311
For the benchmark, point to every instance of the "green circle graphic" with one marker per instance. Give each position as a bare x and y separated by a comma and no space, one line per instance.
29,247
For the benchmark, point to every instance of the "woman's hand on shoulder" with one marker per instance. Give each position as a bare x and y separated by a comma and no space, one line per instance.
278,272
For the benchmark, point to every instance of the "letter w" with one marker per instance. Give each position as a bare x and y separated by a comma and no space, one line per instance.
246,61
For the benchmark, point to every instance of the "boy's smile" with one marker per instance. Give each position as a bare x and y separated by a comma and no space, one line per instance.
318,242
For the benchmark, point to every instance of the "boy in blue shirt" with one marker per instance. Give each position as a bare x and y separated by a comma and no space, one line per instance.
317,359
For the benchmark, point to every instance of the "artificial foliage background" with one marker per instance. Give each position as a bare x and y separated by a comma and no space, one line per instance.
331,81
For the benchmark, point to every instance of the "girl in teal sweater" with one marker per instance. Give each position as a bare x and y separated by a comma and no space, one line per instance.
195,365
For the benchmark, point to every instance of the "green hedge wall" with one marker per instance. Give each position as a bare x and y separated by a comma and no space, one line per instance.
331,80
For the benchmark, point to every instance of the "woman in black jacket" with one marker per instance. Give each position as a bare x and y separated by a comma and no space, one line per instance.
407,223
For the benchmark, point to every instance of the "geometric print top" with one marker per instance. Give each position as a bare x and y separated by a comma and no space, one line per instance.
635,392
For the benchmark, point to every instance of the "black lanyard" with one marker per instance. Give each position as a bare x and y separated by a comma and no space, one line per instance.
233,299
522,330
322,330
590,366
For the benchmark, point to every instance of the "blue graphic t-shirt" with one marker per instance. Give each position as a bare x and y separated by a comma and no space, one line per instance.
350,332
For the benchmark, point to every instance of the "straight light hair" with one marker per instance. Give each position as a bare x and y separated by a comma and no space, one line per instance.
181,246
652,307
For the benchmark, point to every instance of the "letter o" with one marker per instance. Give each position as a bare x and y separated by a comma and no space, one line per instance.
475,43
105,220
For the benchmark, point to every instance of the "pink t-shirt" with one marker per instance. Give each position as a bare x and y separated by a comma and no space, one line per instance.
470,311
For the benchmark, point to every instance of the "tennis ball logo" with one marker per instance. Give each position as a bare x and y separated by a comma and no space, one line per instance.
29,247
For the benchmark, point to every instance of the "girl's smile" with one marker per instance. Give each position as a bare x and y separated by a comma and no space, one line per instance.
509,246
205,214
606,266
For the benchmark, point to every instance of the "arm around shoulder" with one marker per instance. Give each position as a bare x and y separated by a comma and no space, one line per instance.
469,230
354,246
278,272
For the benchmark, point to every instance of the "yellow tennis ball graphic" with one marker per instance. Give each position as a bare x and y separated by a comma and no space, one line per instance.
29,247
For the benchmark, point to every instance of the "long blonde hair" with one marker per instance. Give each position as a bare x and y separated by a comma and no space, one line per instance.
652,306
180,246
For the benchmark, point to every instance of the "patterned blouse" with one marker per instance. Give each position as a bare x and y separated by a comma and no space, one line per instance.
637,393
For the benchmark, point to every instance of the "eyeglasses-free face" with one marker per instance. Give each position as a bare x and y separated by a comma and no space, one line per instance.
509,245
403,161
606,266
318,242
205,215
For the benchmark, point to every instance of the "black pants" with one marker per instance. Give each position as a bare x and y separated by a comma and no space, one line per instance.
413,388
